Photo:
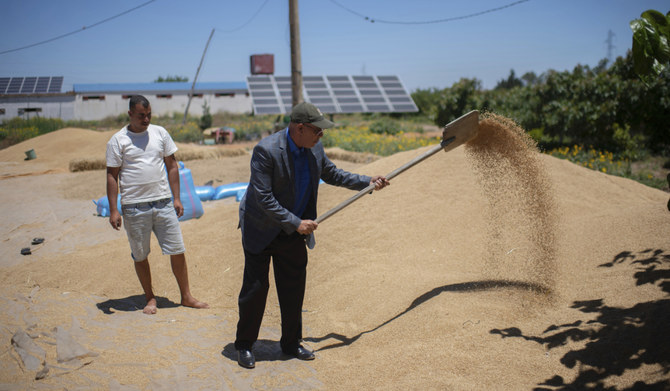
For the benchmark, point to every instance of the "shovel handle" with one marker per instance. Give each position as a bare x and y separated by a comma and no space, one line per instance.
392,174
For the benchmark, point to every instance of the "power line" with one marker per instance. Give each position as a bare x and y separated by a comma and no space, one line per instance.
79,30
373,20
248,21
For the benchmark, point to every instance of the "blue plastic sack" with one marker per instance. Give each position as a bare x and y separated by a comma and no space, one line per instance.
229,190
189,198
187,193
102,206
205,193
240,194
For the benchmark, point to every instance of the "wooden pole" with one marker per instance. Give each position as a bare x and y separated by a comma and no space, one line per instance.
190,95
296,66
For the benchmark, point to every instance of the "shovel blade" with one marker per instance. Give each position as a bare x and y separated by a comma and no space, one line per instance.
460,130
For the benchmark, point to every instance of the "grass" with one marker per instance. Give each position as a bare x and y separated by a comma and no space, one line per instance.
361,139
649,171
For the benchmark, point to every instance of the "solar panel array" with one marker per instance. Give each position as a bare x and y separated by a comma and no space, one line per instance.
31,85
332,94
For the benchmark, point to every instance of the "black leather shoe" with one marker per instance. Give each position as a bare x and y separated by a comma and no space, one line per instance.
301,353
245,358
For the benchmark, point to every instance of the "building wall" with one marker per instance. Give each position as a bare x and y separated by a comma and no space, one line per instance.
99,106
96,106
53,106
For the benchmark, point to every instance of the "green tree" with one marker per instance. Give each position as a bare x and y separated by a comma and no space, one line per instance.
426,101
206,119
509,83
651,44
530,79
457,100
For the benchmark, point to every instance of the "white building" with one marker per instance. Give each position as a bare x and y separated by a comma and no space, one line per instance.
23,97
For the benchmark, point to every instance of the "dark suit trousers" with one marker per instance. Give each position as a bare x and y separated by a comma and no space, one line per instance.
289,260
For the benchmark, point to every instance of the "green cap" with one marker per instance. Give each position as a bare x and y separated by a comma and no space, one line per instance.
307,113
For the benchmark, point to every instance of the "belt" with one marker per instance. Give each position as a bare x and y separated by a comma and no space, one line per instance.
150,204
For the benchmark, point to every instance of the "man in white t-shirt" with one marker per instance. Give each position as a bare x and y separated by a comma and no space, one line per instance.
141,162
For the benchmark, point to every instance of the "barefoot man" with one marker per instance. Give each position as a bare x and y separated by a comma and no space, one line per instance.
138,157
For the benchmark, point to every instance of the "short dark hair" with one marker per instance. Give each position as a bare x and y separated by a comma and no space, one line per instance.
138,99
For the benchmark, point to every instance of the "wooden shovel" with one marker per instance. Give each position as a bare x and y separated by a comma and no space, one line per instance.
455,133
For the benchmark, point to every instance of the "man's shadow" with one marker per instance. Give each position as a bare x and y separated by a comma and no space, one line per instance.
133,303
473,286
264,350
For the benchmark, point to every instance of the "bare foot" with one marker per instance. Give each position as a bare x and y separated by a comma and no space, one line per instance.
150,308
193,303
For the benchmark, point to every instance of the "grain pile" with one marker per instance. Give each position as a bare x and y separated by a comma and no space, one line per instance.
432,283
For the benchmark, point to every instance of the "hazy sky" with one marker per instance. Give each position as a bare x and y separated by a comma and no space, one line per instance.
430,46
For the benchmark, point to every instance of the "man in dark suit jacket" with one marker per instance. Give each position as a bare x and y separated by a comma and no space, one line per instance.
277,221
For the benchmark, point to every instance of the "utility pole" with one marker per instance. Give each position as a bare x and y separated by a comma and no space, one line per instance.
296,66
190,95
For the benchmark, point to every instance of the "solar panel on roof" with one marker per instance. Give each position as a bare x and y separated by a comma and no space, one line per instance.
28,85
42,84
4,82
31,85
15,85
56,84
332,94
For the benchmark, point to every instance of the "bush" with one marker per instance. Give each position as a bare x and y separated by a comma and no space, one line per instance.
13,136
630,147
187,133
254,130
536,134
361,139
594,159
206,119
17,129
385,126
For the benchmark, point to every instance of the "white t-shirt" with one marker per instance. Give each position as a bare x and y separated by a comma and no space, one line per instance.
142,177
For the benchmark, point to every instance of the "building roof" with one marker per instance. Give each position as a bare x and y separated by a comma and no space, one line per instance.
147,88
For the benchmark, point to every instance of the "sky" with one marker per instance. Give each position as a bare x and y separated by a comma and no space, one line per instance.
427,43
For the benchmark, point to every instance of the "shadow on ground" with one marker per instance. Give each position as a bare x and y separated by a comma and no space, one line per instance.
473,286
618,339
132,303
264,350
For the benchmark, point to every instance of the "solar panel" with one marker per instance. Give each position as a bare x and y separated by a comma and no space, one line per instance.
332,94
42,84
28,85
4,82
31,85
15,85
56,84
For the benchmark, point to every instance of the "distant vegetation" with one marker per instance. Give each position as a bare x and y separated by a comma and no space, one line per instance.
608,108
16,130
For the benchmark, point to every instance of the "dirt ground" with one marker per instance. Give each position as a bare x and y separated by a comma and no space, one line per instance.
434,283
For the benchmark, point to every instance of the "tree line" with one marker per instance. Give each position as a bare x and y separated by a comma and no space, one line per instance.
609,108
623,107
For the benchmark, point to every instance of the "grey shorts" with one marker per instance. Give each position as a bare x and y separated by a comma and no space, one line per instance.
141,219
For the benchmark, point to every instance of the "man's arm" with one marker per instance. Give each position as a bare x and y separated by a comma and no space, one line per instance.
112,194
173,178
